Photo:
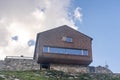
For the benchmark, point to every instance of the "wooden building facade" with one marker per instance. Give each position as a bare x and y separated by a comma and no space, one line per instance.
63,45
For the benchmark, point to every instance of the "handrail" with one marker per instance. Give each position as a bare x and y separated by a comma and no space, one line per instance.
18,57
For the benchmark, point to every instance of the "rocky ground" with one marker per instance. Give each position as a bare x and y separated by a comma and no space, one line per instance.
54,75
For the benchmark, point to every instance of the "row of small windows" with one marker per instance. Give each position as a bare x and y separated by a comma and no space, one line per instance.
65,51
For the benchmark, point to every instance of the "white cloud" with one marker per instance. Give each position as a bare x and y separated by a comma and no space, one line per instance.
2,20
77,14
4,33
40,15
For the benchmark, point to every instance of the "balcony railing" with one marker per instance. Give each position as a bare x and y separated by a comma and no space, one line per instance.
18,57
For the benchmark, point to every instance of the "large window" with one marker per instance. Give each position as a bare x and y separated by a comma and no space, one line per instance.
65,51
67,39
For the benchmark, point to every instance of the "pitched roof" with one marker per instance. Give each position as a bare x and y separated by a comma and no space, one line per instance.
64,27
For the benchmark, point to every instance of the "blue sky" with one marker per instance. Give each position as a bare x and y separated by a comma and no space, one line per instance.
101,21
98,19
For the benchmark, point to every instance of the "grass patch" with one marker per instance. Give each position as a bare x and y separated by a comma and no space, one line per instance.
24,75
53,75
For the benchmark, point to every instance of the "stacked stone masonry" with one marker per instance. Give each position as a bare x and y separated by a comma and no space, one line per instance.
81,69
19,64
29,64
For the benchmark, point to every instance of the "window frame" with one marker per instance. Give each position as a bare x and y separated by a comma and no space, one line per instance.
71,51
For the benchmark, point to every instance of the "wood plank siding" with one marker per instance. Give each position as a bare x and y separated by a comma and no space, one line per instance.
55,38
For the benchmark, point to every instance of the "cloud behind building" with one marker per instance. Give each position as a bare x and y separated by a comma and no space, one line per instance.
25,18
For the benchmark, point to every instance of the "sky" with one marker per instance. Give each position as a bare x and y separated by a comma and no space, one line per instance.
20,20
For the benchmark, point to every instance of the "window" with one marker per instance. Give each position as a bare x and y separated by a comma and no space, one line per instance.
65,51
57,50
46,49
85,52
73,51
67,39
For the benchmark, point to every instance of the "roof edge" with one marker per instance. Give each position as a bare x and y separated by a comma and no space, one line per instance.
68,27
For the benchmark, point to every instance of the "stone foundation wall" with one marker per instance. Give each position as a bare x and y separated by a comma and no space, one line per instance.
2,66
70,68
21,63
79,69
